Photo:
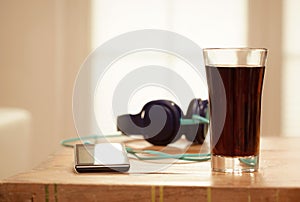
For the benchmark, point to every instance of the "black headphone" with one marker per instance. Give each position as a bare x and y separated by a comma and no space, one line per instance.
168,118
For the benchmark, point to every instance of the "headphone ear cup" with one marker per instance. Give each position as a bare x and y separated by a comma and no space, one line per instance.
167,115
196,133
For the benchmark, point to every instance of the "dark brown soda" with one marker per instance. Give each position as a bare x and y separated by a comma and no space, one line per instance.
240,134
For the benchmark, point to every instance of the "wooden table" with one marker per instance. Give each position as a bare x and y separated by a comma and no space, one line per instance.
55,180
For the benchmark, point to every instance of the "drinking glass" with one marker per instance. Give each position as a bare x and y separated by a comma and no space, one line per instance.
235,81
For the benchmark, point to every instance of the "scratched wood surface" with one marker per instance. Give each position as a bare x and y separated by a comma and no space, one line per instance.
278,178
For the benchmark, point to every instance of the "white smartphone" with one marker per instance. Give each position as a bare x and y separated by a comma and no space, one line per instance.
101,157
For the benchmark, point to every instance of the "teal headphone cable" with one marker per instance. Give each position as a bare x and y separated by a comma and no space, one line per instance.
196,119
161,155
155,155
66,142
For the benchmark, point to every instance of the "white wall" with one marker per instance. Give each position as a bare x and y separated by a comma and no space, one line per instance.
42,45
213,23
291,68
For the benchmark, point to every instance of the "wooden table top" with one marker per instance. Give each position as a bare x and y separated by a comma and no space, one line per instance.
278,178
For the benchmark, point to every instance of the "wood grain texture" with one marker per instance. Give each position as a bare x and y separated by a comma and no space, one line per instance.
278,179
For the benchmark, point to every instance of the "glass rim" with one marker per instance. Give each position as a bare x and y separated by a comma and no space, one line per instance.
236,49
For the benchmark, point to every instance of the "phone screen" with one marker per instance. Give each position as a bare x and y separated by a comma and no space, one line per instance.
101,157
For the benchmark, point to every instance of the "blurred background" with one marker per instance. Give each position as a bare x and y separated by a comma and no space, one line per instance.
44,42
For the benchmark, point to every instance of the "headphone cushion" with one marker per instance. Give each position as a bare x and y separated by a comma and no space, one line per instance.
169,131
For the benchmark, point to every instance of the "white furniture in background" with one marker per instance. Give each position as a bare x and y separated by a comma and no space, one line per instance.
15,130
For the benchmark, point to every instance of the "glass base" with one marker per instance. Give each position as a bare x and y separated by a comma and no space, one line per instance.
238,164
